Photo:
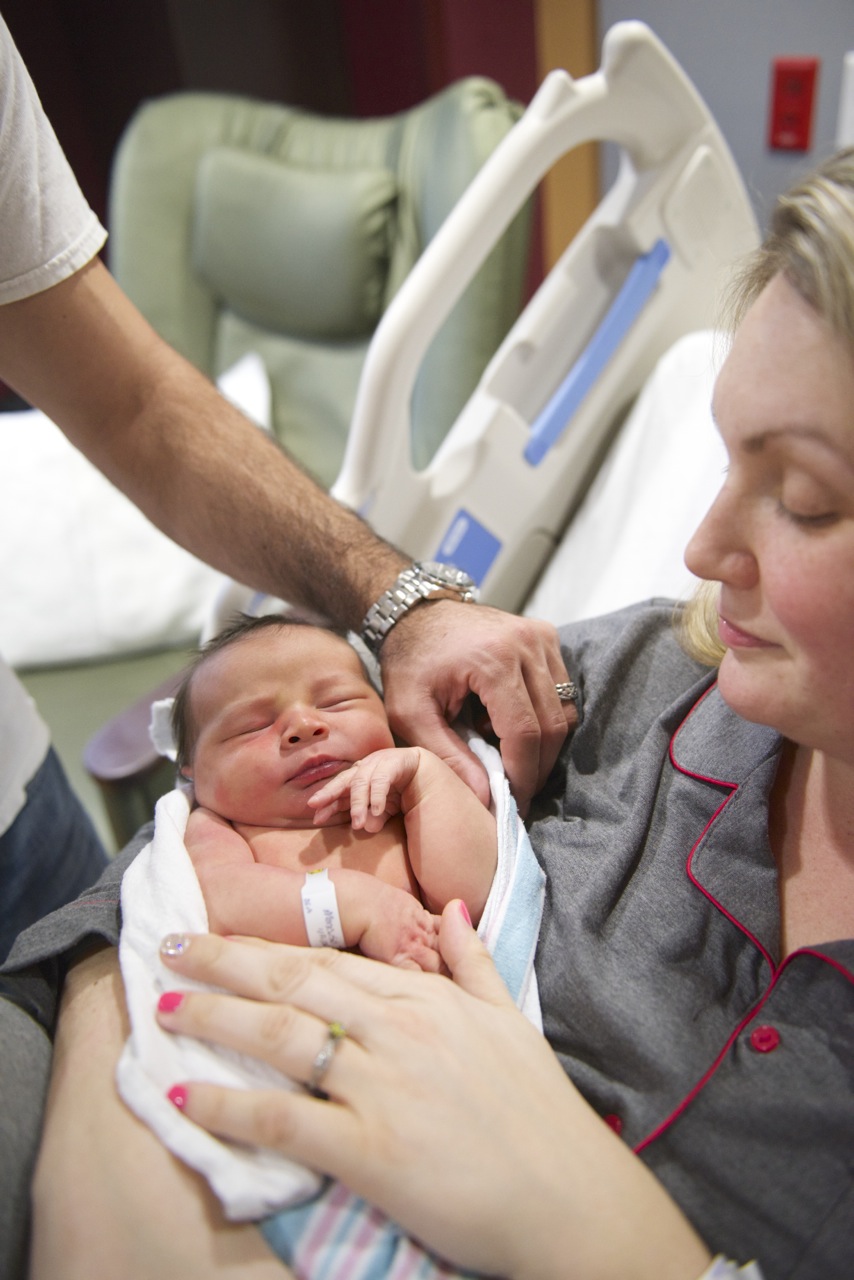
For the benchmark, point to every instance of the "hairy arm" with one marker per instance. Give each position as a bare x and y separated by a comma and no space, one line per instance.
214,483
108,1198
200,471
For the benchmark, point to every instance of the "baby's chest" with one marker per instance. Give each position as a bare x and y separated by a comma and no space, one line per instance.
382,855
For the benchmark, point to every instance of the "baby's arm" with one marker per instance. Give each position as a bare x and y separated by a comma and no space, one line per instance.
255,899
451,838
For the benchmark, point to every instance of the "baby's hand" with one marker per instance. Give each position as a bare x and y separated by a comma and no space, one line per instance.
401,931
372,789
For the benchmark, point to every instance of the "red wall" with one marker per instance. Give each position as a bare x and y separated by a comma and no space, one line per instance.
400,51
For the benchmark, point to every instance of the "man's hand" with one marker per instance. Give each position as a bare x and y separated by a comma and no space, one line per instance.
442,652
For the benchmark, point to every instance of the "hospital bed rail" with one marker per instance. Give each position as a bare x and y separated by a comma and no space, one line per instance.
645,268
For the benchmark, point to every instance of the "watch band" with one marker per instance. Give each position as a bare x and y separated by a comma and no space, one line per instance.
424,580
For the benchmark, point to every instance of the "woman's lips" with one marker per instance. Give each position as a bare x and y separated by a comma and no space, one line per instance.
734,638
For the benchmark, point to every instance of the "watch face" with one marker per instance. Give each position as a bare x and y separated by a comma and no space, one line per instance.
446,573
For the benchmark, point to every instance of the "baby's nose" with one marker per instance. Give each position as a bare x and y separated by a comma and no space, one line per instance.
302,725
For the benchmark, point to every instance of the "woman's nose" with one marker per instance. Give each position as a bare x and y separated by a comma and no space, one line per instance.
302,724
719,550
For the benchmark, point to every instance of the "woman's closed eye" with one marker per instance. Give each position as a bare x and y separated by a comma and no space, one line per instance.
806,500
809,520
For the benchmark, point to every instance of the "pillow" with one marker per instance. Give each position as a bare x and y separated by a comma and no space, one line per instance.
84,574
301,251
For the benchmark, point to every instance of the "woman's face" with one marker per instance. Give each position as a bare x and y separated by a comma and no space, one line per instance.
780,535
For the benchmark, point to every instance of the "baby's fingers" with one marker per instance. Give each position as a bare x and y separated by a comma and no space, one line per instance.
329,811
359,798
332,789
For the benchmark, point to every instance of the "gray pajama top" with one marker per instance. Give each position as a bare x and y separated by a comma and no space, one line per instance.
729,1072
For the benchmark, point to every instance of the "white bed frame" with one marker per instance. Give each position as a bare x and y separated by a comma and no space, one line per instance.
646,268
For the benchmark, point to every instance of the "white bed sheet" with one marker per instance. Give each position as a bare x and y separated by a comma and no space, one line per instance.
658,480
84,574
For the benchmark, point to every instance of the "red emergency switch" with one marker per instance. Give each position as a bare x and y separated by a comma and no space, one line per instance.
793,83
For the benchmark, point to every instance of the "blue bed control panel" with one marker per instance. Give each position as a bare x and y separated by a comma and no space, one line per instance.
636,291
469,546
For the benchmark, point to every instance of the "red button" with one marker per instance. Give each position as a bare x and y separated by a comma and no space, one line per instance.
614,1122
765,1039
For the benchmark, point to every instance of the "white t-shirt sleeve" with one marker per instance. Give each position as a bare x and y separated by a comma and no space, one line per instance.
47,229
47,232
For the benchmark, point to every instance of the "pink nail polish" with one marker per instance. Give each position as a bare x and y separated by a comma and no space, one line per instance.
464,912
177,1095
170,1001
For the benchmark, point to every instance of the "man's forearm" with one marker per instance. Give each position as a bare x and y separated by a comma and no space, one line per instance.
241,504
193,463
209,479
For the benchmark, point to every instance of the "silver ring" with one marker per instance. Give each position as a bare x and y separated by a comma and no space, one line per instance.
566,691
335,1033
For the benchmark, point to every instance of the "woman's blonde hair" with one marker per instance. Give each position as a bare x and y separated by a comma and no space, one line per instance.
811,243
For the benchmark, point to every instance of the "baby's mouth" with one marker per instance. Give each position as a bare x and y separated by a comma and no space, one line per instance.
318,770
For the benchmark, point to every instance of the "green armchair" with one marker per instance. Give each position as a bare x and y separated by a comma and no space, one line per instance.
240,226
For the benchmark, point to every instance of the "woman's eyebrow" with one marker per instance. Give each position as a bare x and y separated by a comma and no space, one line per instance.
798,431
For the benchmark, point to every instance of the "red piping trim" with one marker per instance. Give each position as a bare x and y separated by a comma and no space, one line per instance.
701,1083
732,919
834,964
775,971
720,782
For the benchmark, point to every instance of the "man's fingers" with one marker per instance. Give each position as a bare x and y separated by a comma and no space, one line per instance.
439,655
527,714
434,733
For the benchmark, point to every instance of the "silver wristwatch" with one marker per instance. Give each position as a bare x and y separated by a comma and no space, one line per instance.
424,580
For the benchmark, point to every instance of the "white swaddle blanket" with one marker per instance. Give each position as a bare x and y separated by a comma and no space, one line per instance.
161,895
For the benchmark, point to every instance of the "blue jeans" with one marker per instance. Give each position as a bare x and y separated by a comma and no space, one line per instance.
50,853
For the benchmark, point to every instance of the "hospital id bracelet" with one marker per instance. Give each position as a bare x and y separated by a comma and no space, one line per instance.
424,580
320,911
722,1268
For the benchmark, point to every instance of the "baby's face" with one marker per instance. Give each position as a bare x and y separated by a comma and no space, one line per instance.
278,713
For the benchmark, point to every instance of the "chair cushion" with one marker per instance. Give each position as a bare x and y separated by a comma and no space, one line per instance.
324,278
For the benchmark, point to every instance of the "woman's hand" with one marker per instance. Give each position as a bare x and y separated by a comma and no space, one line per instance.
445,1108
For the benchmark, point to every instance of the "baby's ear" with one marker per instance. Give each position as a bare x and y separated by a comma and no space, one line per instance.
186,772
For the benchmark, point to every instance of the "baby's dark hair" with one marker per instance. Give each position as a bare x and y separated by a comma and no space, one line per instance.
184,728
